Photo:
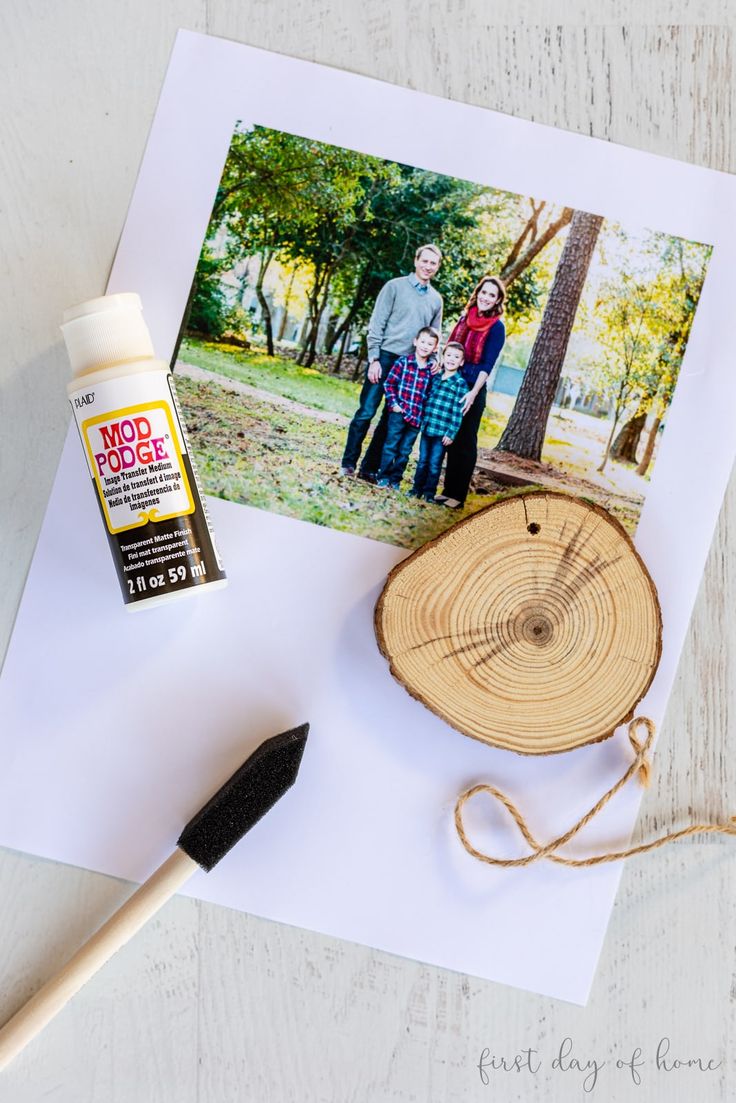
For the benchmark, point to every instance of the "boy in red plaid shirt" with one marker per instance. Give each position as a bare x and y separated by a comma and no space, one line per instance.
406,387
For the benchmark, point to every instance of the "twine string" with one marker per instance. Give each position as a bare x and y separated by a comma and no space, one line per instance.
640,765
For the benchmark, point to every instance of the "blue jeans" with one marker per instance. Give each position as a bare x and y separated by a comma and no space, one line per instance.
371,396
400,437
429,465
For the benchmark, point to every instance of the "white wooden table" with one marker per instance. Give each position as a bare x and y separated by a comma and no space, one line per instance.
214,1006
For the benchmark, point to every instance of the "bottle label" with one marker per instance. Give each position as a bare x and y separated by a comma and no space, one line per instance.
138,457
136,462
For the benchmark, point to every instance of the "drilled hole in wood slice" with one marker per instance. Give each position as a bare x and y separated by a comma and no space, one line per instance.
534,645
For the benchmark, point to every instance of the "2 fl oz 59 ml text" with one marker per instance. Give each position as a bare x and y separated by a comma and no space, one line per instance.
175,575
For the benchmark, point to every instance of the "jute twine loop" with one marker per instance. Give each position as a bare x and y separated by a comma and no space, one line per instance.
640,766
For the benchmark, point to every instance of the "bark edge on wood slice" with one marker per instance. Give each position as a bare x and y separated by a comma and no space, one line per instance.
532,625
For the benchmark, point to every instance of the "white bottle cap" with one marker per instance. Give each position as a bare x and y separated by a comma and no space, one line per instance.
106,331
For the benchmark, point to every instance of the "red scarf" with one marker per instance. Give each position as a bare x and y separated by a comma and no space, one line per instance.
472,331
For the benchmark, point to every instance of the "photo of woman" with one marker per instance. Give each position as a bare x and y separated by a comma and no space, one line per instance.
482,334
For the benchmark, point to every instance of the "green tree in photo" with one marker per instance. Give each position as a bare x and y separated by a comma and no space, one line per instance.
643,329
627,321
286,197
208,308
415,208
356,221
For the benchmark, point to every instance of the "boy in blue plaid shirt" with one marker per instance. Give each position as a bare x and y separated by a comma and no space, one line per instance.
440,421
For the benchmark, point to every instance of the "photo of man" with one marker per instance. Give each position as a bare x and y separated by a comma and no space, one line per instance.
404,305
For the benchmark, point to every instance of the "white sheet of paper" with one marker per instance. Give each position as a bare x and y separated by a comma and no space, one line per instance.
116,728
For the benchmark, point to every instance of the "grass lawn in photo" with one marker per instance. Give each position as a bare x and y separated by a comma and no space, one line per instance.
269,433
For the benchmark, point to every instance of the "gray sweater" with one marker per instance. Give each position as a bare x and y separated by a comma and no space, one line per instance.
401,310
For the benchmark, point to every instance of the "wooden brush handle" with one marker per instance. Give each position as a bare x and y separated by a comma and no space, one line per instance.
134,914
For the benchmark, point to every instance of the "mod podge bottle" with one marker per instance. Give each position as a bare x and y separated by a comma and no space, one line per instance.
135,444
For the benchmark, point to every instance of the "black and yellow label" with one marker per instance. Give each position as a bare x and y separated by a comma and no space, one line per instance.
137,465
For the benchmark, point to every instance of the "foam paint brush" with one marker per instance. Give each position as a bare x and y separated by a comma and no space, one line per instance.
251,791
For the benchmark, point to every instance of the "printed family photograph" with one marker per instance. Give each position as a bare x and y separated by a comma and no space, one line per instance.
381,349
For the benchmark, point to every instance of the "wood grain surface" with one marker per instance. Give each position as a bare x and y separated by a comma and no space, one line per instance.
212,1006
544,585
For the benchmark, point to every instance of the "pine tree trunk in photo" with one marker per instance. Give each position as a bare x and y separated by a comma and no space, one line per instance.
627,440
527,425
266,258
649,449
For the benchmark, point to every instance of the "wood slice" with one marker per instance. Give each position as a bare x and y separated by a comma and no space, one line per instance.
532,625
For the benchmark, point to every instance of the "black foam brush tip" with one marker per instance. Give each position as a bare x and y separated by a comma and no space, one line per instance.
244,798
